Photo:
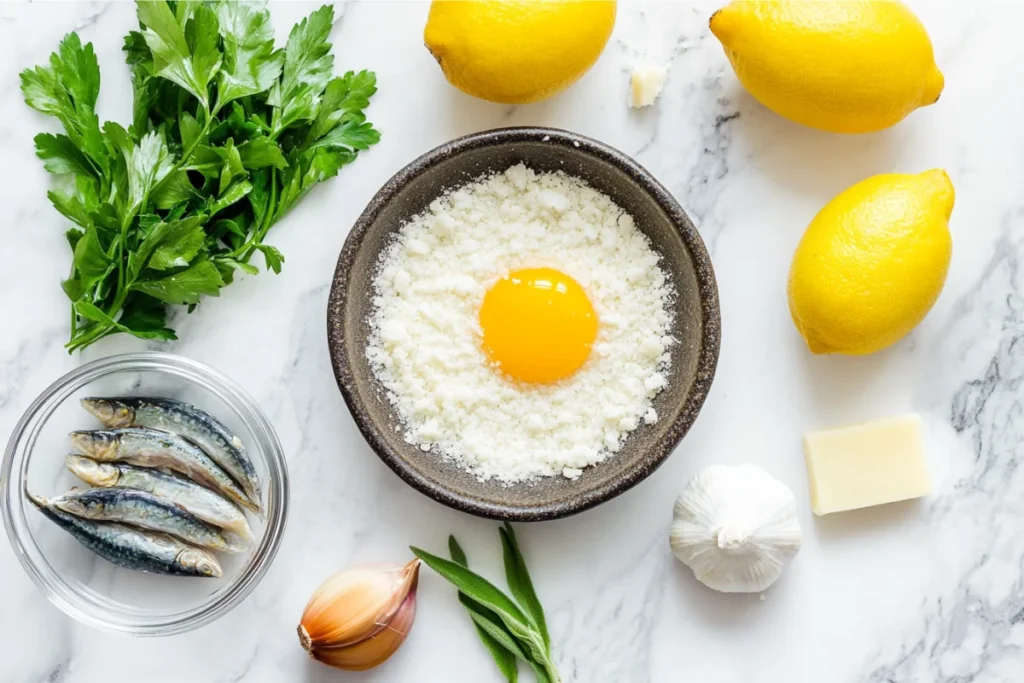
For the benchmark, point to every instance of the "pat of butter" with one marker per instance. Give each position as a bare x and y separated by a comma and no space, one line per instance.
863,465
645,85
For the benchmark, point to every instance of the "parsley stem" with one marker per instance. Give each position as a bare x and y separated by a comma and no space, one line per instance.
551,671
95,334
87,338
187,154
244,252
101,329
97,171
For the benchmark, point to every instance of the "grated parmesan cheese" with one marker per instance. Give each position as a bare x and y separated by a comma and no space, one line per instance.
426,342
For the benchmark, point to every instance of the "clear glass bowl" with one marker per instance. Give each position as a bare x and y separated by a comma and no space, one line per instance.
89,588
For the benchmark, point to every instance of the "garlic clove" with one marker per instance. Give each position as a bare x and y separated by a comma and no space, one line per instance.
355,604
368,653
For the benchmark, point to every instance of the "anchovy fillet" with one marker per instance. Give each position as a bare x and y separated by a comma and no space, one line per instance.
133,548
205,504
153,448
145,511
185,420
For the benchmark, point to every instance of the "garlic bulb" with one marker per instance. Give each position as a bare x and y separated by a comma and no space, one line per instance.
736,528
357,618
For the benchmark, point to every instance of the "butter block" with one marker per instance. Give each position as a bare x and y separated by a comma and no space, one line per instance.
869,464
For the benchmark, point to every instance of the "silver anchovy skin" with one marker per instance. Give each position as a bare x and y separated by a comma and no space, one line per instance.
133,548
144,511
205,504
153,448
186,420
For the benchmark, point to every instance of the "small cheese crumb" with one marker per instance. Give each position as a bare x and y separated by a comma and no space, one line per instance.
430,431
655,383
418,246
553,200
651,416
611,441
645,84
571,473
652,346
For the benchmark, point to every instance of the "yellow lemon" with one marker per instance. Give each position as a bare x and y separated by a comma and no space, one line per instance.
517,51
872,262
849,67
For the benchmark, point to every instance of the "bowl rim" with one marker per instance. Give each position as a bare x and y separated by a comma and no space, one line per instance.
708,353
66,597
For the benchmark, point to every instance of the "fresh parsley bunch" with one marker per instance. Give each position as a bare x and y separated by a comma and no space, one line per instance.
228,134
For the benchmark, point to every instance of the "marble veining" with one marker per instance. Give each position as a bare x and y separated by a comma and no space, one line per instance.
971,629
926,592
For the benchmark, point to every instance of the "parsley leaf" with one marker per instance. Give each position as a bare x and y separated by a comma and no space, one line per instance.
91,261
184,287
251,64
190,61
189,129
344,100
145,317
174,190
169,245
68,90
350,135
307,69
260,153
271,256
232,166
148,163
61,155
71,206
233,194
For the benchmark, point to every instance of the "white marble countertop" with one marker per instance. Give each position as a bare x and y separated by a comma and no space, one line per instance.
910,593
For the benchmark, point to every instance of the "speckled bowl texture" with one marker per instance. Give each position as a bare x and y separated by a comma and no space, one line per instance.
657,214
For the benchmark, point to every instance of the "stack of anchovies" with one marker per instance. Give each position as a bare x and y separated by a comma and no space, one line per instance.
171,481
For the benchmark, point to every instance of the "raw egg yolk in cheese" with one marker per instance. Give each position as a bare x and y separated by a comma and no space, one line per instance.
538,325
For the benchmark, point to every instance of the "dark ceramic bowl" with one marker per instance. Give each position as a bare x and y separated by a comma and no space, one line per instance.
660,218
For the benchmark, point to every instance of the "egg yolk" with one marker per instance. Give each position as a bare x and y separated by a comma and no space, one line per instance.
538,325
